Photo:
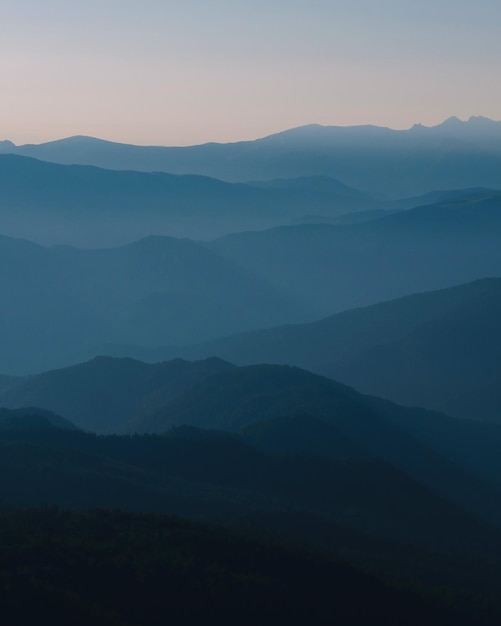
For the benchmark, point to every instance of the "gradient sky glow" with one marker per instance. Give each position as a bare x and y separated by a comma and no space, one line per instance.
178,73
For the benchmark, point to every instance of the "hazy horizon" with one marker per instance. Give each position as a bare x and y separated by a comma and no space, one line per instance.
167,73
244,139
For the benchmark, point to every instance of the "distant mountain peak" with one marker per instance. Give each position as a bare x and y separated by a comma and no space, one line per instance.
480,119
474,124
84,139
452,121
455,121
7,146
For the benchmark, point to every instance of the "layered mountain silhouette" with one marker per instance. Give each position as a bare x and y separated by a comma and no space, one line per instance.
83,205
451,155
334,267
307,433
436,555
61,304
217,476
407,494
123,395
437,349
104,394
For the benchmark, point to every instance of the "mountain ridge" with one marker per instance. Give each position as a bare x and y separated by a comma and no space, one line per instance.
93,206
369,158
409,349
428,447
452,120
62,303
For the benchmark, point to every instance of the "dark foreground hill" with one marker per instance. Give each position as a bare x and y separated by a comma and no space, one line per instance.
455,458
409,162
439,349
154,569
368,513
409,495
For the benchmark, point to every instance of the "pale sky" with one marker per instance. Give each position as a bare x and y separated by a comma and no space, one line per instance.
179,73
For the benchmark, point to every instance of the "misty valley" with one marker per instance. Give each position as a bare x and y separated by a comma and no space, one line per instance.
252,382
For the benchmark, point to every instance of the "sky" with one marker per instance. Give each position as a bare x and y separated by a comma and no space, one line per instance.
159,72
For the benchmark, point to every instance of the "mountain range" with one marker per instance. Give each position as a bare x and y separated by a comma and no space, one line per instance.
451,155
438,560
437,349
90,206
123,395
63,305
299,346
274,449
339,267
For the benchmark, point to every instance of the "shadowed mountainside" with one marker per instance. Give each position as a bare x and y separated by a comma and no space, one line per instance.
437,349
26,419
120,395
361,509
104,394
185,573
